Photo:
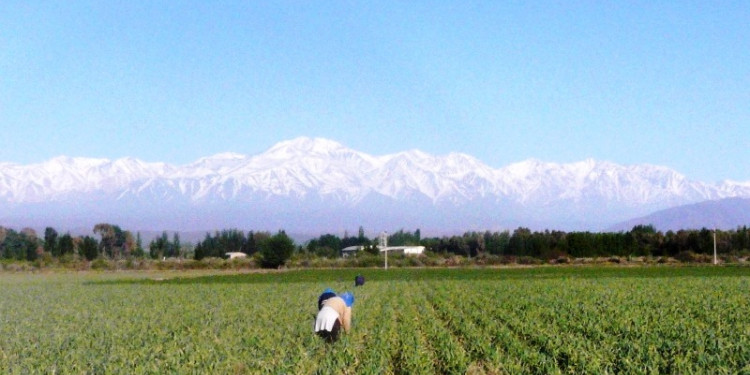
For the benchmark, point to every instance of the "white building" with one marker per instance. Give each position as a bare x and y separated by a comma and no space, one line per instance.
408,250
237,254
351,250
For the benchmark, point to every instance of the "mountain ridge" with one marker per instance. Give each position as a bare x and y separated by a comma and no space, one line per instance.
323,179
727,213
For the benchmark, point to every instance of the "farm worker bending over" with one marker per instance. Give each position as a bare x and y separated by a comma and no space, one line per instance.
335,312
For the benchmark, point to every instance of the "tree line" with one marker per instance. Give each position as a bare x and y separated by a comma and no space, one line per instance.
642,240
109,241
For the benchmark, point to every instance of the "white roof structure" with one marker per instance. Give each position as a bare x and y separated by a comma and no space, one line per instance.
352,249
238,254
409,250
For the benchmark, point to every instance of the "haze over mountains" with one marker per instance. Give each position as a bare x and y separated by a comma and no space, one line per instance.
314,185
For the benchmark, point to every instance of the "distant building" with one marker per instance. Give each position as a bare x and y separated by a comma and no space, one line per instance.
351,250
408,250
237,254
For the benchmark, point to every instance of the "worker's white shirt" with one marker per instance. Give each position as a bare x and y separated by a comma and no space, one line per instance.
327,317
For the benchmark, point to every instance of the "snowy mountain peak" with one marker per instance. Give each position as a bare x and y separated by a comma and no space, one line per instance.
74,162
304,146
528,167
225,156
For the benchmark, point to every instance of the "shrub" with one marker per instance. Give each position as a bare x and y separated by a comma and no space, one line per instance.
43,260
490,259
101,264
527,260
367,260
691,257
456,260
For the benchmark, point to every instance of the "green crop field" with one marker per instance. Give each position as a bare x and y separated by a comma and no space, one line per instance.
545,320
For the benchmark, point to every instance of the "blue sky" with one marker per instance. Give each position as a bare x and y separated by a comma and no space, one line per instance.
664,83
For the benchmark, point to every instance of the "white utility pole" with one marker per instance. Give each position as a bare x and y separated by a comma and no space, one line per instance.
716,261
384,244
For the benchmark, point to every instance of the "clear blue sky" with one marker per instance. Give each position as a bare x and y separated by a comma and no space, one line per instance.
664,83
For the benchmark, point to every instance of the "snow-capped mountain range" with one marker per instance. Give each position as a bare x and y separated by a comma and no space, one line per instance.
314,184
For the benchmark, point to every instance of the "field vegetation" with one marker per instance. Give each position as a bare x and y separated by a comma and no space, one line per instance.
536,320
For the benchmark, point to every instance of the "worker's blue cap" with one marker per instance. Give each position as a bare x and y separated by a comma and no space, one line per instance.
328,290
348,298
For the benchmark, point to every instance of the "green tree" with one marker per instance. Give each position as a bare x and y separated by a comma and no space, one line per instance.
158,248
475,243
11,245
19,245
497,242
644,239
519,242
176,248
65,244
741,238
199,252
138,251
128,246
371,249
276,250
251,245
327,245
89,248
51,241
360,240
457,245
231,240
580,244
30,243
112,239
361,235
401,238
